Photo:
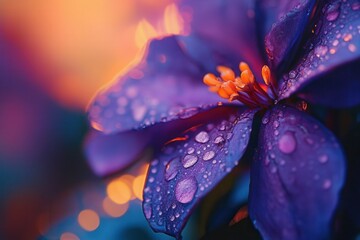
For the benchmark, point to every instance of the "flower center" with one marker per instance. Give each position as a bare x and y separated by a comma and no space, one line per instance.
243,88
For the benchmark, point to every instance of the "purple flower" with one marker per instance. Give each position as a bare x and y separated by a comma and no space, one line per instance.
312,50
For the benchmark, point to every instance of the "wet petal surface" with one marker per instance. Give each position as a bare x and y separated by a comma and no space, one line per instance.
285,35
271,11
333,42
166,85
190,165
295,177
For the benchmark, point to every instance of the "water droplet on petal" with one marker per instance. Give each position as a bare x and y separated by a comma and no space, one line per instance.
321,51
219,140
190,150
202,137
209,155
172,169
189,112
309,141
185,190
332,11
147,210
287,143
355,6
323,158
327,184
265,120
189,161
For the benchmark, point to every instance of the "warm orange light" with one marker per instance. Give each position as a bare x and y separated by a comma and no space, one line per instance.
128,179
89,220
173,22
114,209
144,32
144,169
69,236
138,186
118,191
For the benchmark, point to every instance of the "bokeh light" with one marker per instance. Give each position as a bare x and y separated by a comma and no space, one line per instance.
118,191
69,236
89,220
113,209
64,52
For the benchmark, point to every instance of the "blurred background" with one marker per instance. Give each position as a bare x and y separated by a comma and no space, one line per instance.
54,56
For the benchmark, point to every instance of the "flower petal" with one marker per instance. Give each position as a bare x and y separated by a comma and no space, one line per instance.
283,39
107,154
334,42
191,165
166,85
296,176
227,26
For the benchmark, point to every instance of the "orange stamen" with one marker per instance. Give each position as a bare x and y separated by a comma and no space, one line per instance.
211,80
244,66
243,88
266,74
247,77
227,74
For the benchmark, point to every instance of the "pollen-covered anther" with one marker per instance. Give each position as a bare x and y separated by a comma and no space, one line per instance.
243,88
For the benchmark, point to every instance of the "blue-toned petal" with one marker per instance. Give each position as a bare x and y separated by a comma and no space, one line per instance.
269,12
333,94
227,26
191,165
282,41
296,176
333,43
166,85
107,154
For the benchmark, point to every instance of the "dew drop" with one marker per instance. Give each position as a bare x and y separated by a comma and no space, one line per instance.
355,6
202,137
172,169
147,210
185,190
321,50
309,141
189,112
265,120
327,184
190,150
139,112
323,158
189,161
287,143
229,136
219,139
209,155
332,11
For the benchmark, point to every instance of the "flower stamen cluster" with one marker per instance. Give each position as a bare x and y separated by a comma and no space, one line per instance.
243,88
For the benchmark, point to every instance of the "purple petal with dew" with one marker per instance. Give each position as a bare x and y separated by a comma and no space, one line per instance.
333,94
296,176
228,23
111,153
107,154
165,86
333,42
190,165
283,39
269,12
